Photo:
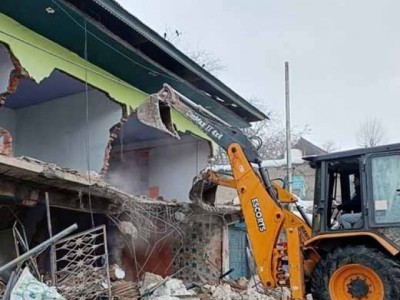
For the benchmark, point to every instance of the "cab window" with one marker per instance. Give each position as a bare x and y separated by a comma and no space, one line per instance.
385,173
342,195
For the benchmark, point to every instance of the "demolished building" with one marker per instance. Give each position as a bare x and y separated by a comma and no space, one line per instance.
72,76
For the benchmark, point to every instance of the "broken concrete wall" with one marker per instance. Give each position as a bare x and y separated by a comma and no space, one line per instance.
165,237
39,65
56,131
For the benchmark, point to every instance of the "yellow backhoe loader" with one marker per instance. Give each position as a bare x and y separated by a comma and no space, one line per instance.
350,251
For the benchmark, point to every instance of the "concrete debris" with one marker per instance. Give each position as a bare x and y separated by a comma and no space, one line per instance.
149,279
122,289
92,174
39,172
245,289
31,288
172,287
222,292
163,287
179,216
242,282
254,289
226,292
127,228
241,289
116,273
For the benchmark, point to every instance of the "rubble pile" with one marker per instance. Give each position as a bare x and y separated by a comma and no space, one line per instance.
27,284
244,289
156,287
80,278
152,287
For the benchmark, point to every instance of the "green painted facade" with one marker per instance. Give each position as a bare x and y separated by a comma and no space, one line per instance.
39,56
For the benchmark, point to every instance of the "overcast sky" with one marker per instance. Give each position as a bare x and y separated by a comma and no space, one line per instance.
344,55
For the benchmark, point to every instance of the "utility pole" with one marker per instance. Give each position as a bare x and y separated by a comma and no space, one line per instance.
288,136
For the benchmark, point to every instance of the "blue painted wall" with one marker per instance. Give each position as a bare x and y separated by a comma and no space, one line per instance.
237,251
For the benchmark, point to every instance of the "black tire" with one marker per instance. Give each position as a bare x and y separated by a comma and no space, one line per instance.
386,267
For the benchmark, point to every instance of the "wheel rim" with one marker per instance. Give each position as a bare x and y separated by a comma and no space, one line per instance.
355,281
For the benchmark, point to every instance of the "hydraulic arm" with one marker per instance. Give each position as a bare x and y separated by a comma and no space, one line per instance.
280,260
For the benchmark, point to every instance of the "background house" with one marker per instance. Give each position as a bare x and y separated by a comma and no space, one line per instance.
303,176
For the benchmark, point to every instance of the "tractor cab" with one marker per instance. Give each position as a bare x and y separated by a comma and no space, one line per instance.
358,190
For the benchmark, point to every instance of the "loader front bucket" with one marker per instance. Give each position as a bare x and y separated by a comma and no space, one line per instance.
203,191
157,114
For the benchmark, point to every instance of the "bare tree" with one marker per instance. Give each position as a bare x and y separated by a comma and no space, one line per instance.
272,133
207,61
330,146
203,58
371,133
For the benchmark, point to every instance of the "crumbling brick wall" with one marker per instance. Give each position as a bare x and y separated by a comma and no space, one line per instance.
6,147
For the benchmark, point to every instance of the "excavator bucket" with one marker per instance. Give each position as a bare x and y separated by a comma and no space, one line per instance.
156,113
203,191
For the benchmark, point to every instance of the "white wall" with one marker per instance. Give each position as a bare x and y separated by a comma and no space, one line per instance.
172,167
166,163
56,131
7,120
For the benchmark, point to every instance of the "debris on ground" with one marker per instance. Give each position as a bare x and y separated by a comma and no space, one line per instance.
120,288
116,272
245,289
28,286
158,287
226,292
112,279
240,289
125,290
